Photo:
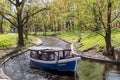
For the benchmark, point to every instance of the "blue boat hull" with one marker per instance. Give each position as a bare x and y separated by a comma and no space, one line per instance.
66,66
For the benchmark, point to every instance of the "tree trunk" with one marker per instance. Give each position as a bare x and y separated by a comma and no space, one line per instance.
109,48
20,36
20,26
1,26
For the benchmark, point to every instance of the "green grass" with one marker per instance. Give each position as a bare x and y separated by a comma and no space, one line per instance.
116,38
90,39
10,40
7,40
69,35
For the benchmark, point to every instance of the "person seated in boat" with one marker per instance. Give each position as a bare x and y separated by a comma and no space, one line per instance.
33,54
50,55
39,55
44,56
61,55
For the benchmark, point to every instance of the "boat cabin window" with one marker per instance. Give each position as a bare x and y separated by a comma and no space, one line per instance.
67,53
34,54
42,55
64,54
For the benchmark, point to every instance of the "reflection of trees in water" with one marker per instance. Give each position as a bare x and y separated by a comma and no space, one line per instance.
90,70
111,72
108,67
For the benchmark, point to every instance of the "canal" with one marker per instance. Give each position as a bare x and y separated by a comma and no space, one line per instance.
18,68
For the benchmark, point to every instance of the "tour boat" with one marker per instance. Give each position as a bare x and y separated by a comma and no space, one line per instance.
54,58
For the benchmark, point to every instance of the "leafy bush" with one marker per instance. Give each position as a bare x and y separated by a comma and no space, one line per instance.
6,44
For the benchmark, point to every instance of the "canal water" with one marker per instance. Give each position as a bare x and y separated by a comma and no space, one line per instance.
18,68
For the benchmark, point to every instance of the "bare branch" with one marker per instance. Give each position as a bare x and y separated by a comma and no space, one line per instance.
8,19
9,15
26,20
116,17
101,17
34,13
12,2
38,11
44,2
93,30
22,2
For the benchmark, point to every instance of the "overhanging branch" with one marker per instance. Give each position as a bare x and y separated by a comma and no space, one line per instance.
116,17
9,15
93,30
34,14
7,19
101,17
12,2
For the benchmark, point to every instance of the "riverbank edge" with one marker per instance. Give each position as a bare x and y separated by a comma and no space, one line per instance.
19,50
75,52
85,57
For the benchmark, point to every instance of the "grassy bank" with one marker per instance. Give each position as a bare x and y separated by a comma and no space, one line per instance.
9,41
89,39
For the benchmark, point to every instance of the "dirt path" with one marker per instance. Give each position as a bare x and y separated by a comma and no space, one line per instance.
93,55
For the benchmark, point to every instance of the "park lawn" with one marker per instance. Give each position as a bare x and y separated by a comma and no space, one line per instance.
9,41
89,39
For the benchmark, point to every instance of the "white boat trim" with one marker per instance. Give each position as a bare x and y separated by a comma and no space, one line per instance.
57,61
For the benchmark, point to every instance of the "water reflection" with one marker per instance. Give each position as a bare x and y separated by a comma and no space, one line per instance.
111,72
61,75
90,70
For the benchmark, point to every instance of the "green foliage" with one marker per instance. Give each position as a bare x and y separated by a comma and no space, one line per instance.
116,37
89,39
7,40
30,39
69,35
10,40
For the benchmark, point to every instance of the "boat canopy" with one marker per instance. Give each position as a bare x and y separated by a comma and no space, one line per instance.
48,49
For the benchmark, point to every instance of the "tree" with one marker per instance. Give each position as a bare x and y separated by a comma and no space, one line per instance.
16,11
1,25
100,13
